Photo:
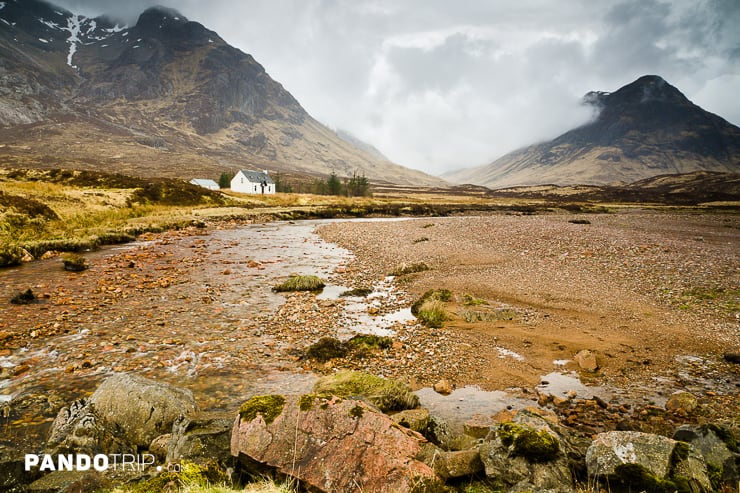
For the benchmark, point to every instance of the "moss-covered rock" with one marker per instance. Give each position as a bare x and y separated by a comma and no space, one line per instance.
24,298
74,263
267,406
369,342
326,349
534,445
387,395
300,283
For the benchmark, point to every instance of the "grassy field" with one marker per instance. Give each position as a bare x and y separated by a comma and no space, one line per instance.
64,210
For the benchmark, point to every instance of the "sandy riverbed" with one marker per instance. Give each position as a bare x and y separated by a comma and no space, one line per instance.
654,295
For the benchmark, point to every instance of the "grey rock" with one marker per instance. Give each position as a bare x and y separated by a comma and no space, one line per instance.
664,458
615,448
682,401
13,476
140,409
70,482
415,419
717,455
451,464
515,472
202,438
77,429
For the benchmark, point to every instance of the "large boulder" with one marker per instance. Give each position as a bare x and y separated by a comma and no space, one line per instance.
140,409
123,416
643,461
527,454
329,444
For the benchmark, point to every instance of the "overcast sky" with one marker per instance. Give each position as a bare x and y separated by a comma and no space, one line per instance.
440,84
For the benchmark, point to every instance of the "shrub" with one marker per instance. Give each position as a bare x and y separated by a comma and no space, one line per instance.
388,395
300,283
10,255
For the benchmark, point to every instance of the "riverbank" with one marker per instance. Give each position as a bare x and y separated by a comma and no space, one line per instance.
653,295
195,308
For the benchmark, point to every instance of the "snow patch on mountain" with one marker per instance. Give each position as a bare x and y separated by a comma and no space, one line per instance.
73,26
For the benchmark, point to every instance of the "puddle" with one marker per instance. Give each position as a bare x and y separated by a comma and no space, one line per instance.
507,353
561,384
466,402
331,292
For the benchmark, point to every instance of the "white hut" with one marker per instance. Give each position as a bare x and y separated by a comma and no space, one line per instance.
254,182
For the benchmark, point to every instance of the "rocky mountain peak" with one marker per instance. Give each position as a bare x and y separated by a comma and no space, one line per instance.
165,97
157,18
171,27
649,88
644,129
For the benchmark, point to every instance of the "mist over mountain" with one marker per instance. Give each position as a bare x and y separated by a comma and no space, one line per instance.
645,129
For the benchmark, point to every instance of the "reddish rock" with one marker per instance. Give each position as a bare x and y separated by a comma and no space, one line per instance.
443,387
333,445
682,401
586,360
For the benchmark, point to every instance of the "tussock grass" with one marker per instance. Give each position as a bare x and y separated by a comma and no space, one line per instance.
208,478
470,300
496,315
444,295
388,395
300,283
10,255
432,313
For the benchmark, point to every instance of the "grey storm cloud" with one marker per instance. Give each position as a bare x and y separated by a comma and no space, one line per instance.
439,85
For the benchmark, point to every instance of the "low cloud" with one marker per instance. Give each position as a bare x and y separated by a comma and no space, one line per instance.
439,85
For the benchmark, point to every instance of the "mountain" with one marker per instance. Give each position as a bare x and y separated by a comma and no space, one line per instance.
699,187
646,128
166,97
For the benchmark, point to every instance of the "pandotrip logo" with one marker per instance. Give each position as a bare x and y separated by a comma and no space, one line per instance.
84,462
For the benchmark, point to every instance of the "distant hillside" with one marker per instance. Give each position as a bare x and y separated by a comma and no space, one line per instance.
644,129
165,97
683,189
